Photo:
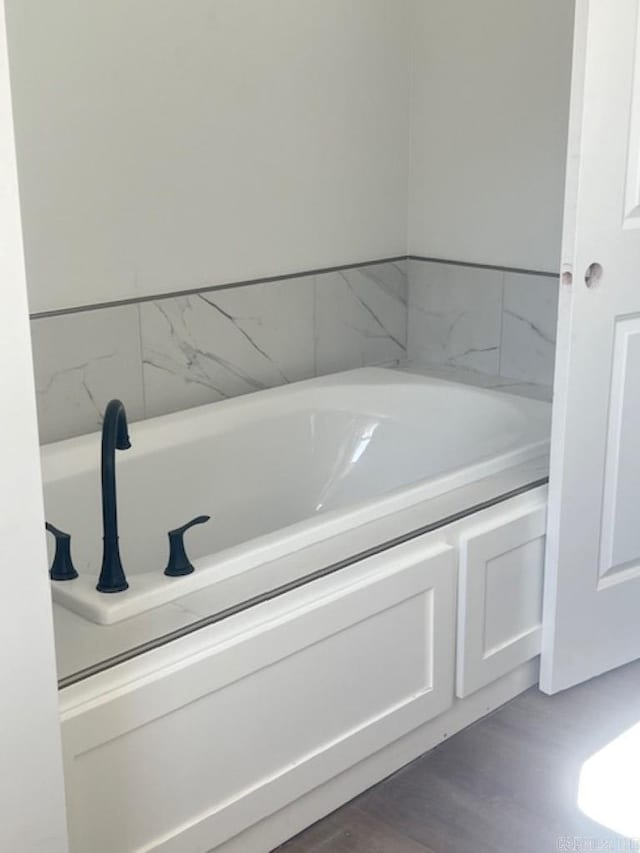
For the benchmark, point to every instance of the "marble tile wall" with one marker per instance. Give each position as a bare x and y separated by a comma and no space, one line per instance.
173,353
179,352
81,361
491,321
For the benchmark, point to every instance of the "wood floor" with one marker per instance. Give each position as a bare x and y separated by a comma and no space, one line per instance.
507,784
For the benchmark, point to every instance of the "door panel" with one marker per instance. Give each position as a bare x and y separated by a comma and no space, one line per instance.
32,805
620,532
592,583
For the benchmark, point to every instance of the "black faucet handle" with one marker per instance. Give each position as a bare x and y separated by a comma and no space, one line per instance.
179,564
62,568
199,519
59,534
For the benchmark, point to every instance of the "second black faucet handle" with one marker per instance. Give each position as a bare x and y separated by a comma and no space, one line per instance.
62,568
179,564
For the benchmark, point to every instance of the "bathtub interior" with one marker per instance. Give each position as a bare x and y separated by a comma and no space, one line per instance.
283,457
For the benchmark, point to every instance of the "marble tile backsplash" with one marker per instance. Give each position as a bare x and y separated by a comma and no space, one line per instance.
183,351
81,361
529,318
491,321
455,316
174,353
361,317
207,347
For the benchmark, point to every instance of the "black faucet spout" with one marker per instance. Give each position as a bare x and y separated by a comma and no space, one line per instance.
115,436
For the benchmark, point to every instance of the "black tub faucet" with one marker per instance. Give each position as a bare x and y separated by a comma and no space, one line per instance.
115,436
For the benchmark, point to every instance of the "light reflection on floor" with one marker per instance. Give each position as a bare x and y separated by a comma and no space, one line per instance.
609,785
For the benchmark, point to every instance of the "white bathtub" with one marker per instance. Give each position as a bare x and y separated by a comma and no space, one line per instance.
277,471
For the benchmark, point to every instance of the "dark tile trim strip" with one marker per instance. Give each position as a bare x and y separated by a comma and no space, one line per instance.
541,273
136,300
68,680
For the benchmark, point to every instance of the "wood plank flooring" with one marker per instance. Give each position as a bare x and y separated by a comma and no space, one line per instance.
507,784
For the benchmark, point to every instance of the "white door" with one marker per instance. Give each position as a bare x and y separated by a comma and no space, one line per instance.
32,818
592,580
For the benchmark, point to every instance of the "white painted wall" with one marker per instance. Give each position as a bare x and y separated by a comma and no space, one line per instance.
490,107
164,145
167,145
31,786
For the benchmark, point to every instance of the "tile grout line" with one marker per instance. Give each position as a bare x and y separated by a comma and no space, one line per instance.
315,325
141,356
500,343
408,311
